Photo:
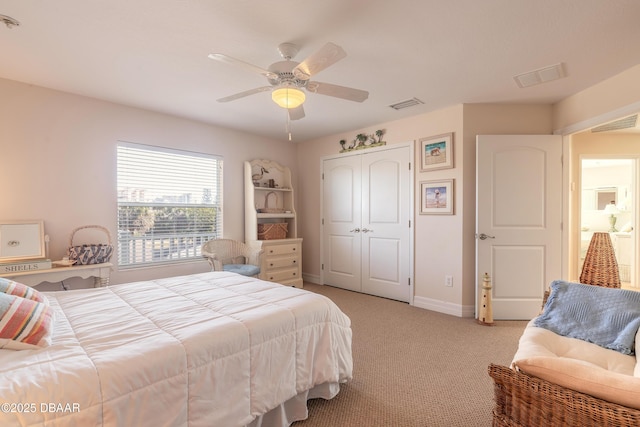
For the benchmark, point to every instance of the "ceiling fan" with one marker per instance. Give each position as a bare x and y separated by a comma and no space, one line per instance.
287,78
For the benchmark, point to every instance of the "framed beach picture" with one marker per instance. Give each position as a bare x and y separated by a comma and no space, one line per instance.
436,152
436,197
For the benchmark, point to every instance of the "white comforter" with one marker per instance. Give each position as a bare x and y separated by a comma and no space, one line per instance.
212,349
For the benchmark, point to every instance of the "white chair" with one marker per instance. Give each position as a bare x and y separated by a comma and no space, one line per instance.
233,256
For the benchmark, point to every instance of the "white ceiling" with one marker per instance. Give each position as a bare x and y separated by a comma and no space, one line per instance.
152,54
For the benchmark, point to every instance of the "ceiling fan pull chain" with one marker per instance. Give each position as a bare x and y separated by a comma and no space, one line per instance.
288,125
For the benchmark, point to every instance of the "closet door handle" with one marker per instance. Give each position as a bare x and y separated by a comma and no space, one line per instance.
355,230
366,230
483,236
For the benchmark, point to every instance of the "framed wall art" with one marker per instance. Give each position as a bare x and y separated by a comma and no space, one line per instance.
436,197
436,152
21,240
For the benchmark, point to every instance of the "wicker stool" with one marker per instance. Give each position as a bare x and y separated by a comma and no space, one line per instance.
600,267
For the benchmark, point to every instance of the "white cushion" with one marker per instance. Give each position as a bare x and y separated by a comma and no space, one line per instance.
536,342
579,365
243,269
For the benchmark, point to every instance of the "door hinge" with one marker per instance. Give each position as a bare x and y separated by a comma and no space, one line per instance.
409,223
409,281
409,165
322,175
322,221
322,267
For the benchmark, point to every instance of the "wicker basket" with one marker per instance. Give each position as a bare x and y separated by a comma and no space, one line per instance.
272,231
90,253
600,266
266,208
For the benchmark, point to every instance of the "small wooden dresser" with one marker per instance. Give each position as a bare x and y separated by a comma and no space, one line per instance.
282,261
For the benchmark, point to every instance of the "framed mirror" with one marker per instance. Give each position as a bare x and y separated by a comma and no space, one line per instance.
21,240
604,196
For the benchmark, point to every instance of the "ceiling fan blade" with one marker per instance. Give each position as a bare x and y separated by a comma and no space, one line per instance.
233,61
296,113
343,92
328,55
245,93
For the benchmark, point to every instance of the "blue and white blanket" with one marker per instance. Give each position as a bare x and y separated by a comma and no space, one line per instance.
607,317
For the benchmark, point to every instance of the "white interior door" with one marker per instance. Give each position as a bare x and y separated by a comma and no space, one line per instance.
342,218
518,220
367,201
385,228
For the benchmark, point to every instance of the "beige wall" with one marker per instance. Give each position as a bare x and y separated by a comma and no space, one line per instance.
58,162
444,245
443,229
617,93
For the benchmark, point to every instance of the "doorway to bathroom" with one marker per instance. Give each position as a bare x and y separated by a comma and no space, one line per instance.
608,204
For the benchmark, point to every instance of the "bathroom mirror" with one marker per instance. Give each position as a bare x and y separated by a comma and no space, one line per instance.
604,196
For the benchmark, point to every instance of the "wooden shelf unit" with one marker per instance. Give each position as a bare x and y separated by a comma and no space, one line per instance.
282,258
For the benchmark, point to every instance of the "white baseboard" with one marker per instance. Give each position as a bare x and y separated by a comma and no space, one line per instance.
444,307
420,302
311,278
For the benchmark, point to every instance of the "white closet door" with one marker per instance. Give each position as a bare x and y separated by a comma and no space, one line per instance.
385,224
366,232
342,216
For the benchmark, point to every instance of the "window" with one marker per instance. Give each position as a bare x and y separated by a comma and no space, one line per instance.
169,204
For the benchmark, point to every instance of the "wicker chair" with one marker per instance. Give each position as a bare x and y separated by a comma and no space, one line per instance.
600,267
522,400
233,256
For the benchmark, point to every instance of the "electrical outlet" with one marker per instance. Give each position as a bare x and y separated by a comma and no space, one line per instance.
448,281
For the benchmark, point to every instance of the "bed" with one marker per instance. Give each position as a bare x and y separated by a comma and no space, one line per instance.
211,349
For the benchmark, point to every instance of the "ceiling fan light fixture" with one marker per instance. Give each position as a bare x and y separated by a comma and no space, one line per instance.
288,97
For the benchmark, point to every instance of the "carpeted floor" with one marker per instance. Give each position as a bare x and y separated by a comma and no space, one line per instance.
414,367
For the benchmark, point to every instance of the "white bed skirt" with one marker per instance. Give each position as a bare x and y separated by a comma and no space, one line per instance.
295,409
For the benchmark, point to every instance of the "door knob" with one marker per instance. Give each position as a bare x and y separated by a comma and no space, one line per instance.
366,230
483,236
355,230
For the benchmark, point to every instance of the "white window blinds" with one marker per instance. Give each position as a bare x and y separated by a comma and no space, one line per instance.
169,203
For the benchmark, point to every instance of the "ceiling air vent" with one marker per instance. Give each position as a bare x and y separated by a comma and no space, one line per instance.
542,75
626,123
406,104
